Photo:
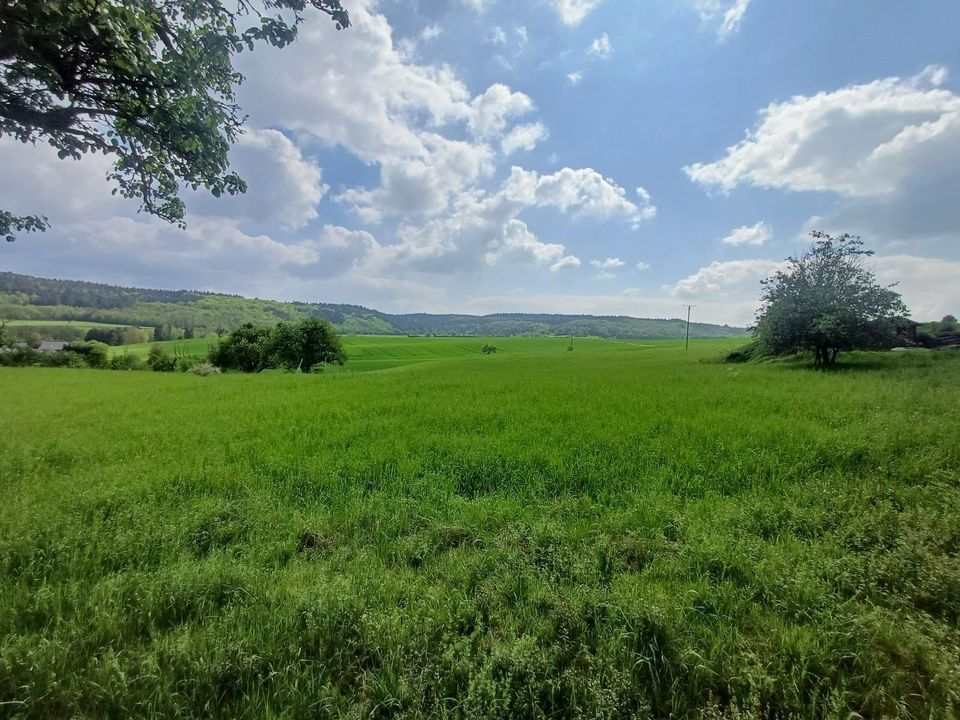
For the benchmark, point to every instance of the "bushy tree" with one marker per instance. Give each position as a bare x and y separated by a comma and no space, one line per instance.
825,301
245,349
149,82
95,354
159,360
305,344
118,335
302,345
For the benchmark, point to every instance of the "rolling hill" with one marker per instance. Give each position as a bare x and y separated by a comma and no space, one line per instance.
34,299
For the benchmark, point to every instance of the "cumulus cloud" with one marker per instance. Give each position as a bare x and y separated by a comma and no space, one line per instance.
575,77
756,234
859,141
601,47
610,263
572,12
405,117
431,32
568,261
641,266
725,279
726,14
584,191
483,229
890,148
928,285
491,110
284,187
523,137
35,181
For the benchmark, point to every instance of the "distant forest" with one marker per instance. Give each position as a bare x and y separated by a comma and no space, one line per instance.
194,314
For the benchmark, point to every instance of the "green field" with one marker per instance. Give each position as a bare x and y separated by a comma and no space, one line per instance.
79,324
378,352
624,531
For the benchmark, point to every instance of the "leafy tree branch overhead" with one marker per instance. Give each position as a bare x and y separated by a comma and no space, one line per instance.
150,82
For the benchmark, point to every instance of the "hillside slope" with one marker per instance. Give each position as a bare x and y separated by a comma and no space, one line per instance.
23,297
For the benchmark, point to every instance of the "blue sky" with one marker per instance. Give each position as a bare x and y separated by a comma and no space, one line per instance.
582,156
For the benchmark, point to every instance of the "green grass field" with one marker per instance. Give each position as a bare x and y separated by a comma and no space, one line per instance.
624,531
378,352
81,324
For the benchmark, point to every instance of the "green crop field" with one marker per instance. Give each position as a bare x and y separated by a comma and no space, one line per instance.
629,530
378,352
84,324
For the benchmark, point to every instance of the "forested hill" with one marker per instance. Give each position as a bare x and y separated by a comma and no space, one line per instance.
23,297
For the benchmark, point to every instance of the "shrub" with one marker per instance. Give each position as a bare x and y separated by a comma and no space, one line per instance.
127,361
245,349
304,345
204,369
94,354
185,363
743,354
160,361
19,357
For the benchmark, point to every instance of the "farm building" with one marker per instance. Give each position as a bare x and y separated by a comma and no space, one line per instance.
52,346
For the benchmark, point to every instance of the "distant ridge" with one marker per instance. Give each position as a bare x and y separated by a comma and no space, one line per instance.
24,297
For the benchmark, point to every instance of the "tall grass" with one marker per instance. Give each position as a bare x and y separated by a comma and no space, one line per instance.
619,532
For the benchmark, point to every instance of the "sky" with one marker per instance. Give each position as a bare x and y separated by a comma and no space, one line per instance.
619,157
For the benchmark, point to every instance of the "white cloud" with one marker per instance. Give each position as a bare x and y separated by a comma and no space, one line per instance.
584,191
756,234
484,229
35,181
498,36
284,187
729,14
601,47
890,148
568,261
859,141
575,77
210,253
642,266
609,263
491,110
572,12
431,32
723,279
523,137
404,117
928,285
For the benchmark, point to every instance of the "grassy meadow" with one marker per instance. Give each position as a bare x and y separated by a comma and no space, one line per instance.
379,352
79,324
628,530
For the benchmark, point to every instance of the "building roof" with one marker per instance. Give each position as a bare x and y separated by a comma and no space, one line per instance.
51,346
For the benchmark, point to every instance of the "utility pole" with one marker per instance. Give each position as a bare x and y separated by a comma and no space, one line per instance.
686,345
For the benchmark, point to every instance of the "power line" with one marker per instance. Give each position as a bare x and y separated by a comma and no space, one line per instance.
686,345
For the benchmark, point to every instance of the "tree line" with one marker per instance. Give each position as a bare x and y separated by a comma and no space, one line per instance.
304,346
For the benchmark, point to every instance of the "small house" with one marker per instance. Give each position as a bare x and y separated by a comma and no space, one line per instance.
52,346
